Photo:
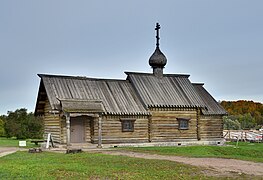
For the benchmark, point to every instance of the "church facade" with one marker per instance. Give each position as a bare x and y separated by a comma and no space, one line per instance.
148,108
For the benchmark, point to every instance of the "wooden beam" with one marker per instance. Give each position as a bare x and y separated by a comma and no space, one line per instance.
99,133
41,102
68,129
150,129
198,124
82,114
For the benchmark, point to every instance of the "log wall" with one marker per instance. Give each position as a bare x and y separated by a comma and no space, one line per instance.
87,128
112,130
52,123
162,126
63,129
211,127
165,126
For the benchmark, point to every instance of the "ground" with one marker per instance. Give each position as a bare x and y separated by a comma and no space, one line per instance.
7,150
213,166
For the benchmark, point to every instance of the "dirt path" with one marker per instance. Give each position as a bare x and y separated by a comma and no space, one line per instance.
221,166
7,150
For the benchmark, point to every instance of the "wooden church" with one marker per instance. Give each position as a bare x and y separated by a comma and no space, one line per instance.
145,108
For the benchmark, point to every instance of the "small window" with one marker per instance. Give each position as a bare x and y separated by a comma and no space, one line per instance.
183,123
127,125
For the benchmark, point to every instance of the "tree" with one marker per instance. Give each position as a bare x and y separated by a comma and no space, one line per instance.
247,121
2,126
231,123
248,113
22,125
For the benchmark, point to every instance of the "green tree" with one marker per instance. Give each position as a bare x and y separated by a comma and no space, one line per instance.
22,125
231,123
247,121
2,126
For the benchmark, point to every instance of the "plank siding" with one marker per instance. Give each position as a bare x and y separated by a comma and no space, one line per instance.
165,126
211,127
52,123
112,131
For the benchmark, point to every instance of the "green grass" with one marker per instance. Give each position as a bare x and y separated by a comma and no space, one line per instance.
46,165
244,151
13,142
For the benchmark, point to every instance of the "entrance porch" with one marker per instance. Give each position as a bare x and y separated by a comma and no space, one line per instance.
82,117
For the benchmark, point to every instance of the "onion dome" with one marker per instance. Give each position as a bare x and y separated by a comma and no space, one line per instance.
157,59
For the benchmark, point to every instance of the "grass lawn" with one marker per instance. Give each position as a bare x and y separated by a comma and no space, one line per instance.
12,142
244,151
46,165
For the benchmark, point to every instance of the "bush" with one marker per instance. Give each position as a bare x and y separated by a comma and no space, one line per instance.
230,122
23,125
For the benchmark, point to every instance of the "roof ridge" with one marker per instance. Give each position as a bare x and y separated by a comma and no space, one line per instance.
79,77
198,84
151,74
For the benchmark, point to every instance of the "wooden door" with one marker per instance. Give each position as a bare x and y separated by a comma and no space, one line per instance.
77,130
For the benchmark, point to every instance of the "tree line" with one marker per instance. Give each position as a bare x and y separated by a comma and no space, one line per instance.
21,124
243,114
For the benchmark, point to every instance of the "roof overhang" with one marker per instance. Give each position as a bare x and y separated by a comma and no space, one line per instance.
81,106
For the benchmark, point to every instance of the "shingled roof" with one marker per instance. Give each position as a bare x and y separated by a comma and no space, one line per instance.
212,106
117,96
173,90
126,97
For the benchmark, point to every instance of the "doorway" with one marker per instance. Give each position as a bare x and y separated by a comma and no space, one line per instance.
77,130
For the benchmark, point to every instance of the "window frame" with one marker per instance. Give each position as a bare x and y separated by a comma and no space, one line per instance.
130,122
183,121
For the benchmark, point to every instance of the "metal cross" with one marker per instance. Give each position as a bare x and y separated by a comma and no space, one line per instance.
157,34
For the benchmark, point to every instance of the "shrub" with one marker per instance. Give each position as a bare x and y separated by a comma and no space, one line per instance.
23,125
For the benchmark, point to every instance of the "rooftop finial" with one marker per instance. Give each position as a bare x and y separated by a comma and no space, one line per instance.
157,60
157,34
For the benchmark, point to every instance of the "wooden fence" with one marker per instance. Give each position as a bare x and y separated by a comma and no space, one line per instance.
243,135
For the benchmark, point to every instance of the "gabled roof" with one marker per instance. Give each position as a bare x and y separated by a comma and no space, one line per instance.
169,91
173,90
117,96
125,97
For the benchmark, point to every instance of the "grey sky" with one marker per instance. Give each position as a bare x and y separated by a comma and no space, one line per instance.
219,43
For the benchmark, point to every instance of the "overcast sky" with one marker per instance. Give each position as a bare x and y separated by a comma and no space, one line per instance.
219,43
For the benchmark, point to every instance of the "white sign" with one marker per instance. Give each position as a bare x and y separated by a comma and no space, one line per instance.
22,143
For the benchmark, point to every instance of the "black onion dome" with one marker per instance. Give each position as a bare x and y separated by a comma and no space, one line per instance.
157,59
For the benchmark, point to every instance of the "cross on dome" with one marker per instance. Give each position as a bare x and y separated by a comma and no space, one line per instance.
157,60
